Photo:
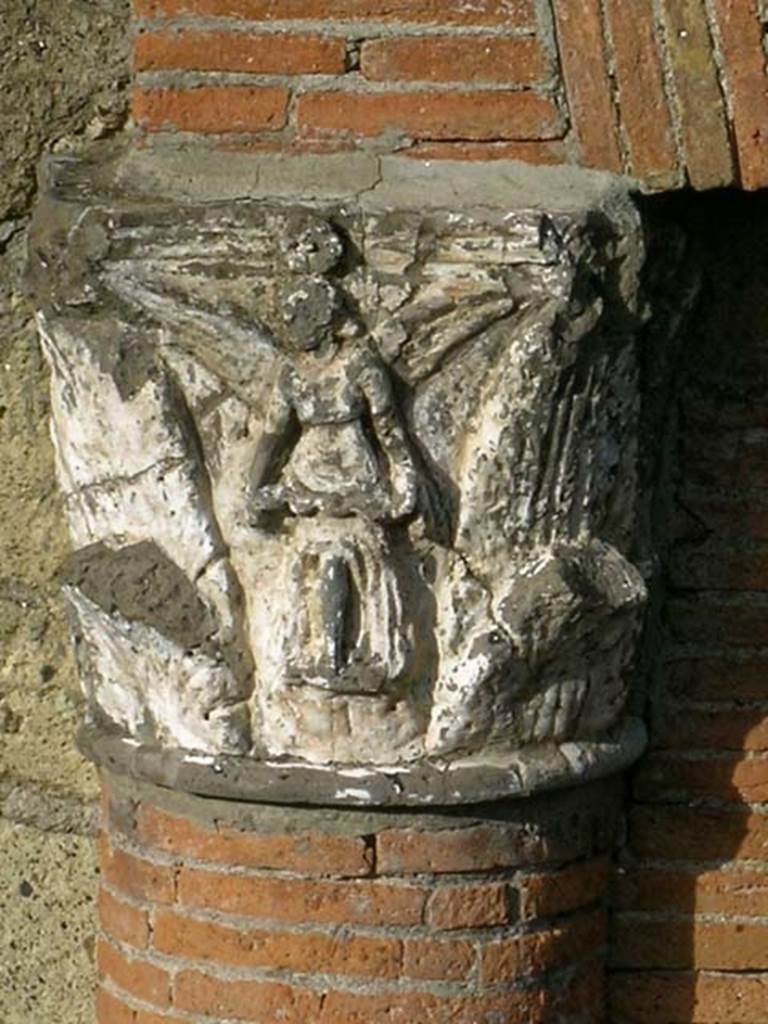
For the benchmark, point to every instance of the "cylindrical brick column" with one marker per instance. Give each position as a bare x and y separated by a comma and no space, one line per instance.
215,911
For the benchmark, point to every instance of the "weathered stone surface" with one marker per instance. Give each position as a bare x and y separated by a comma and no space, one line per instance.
46,907
385,447
540,768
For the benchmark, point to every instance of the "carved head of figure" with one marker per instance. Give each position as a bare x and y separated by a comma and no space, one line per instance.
312,310
311,246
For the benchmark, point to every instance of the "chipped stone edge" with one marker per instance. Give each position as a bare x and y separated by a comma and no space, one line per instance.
472,781
198,175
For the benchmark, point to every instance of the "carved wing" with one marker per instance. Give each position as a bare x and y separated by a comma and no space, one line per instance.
243,356
433,332
431,292
494,332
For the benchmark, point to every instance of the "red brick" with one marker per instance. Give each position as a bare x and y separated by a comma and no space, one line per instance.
211,109
643,106
195,992
584,998
303,952
585,70
580,1000
737,622
430,115
718,678
143,1017
539,951
747,407
353,902
682,998
142,980
729,891
472,906
313,852
703,113
509,13
715,565
726,460
123,922
731,517
474,848
533,1007
438,959
545,154
686,945
672,779
280,54
741,37
111,1011
518,61
135,877
726,729
700,834
563,890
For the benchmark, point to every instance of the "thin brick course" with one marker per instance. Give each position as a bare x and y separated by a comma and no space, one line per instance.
668,92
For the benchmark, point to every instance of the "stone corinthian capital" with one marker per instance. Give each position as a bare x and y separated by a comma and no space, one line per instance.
350,470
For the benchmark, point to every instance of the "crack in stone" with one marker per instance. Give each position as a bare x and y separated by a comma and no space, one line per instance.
164,465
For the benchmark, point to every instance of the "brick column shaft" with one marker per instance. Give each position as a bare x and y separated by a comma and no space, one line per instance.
214,911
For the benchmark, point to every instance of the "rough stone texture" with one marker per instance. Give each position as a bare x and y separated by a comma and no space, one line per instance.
47,887
63,79
380,452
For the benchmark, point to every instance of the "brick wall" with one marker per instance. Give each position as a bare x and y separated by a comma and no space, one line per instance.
690,936
669,91
211,912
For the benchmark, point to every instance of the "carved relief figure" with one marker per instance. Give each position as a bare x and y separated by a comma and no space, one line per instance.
406,485
335,453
